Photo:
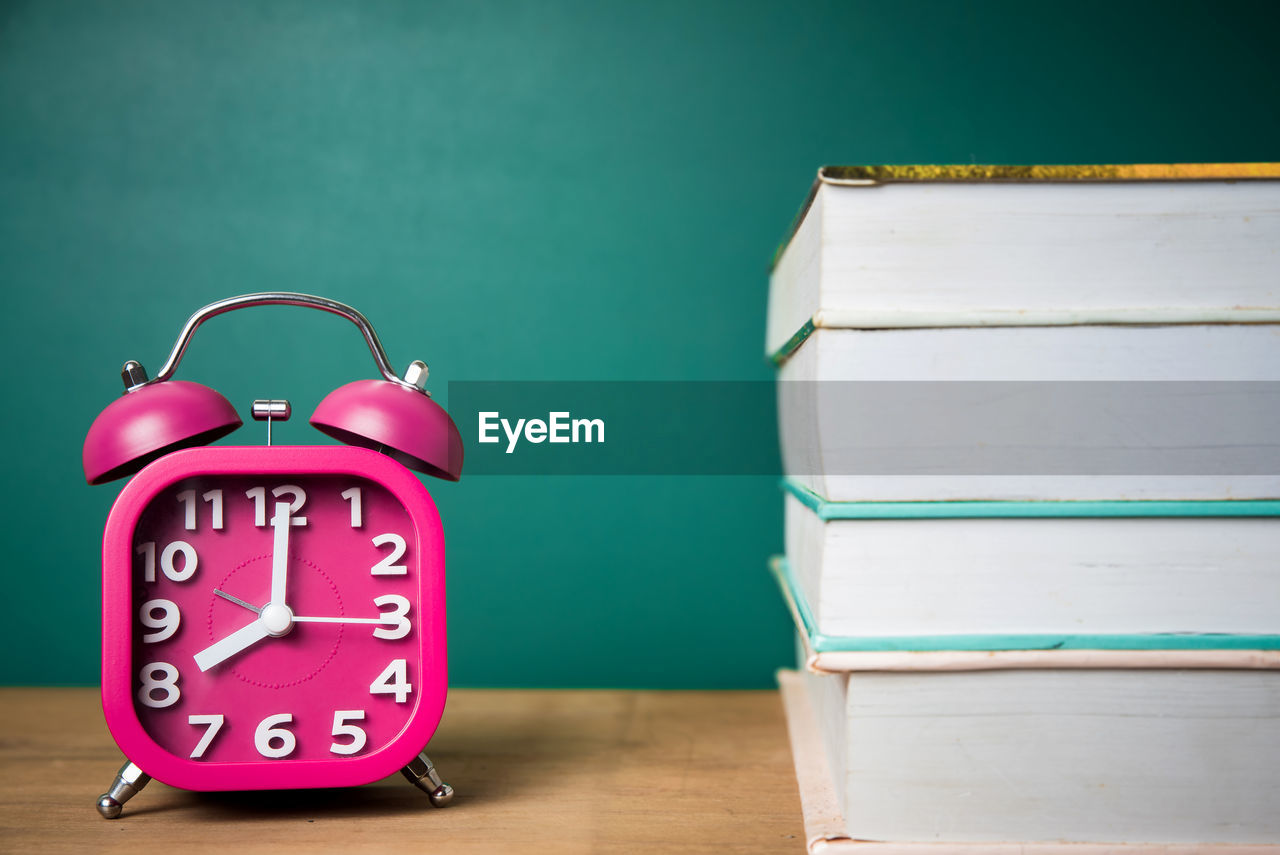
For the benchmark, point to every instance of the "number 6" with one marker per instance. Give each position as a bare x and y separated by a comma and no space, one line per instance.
267,731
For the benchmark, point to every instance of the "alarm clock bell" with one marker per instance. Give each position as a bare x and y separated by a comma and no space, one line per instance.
395,415
159,417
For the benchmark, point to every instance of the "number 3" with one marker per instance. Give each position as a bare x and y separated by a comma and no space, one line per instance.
399,614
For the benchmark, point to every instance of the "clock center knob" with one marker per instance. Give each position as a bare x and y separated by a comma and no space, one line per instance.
277,618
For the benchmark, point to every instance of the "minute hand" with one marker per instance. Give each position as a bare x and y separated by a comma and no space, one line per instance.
280,553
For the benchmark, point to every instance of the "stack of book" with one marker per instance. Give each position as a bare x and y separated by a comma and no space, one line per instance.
1030,420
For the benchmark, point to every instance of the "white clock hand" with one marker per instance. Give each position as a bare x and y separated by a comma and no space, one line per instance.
297,619
301,619
232,644
280,553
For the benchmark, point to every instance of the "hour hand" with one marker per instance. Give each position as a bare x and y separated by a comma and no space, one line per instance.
232,644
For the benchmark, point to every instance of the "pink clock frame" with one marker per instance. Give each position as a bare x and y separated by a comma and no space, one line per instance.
117,616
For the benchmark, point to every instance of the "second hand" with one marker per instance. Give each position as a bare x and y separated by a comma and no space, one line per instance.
238,601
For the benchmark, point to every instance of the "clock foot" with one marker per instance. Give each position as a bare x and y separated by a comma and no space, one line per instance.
128,783
423,775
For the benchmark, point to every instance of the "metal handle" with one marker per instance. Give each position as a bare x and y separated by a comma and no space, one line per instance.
277,298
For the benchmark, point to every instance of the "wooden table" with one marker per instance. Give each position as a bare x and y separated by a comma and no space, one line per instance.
535,772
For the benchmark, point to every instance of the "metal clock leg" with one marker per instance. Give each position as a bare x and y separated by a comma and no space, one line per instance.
128,783
423,775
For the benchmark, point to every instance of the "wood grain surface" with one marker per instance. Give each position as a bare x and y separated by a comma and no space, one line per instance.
535,771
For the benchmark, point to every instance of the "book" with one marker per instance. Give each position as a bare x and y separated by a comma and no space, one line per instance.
879,247
825,653
1099,412
1029,427
1001,794
1035,575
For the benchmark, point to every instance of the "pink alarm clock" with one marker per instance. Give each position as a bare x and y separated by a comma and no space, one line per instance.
273,616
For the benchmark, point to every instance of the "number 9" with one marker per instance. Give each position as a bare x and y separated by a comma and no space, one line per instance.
165,625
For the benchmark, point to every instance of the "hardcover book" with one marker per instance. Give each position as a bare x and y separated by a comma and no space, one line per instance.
878,247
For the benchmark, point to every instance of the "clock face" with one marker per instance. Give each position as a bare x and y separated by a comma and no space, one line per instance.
279,618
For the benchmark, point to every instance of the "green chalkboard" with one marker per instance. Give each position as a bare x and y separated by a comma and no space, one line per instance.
511,191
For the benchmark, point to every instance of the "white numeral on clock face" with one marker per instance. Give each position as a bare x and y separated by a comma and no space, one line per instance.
357,515
298,498
268,731
259,496
148,552
165,625
214,498
342,728
188,499
387,566
189,561
212,723
394,680
160,677
399,613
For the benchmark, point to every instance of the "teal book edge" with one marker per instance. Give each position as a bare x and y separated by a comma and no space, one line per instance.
793,344
827,510
820,643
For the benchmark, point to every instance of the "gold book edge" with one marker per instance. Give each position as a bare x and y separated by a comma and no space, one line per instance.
964,172
969,173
